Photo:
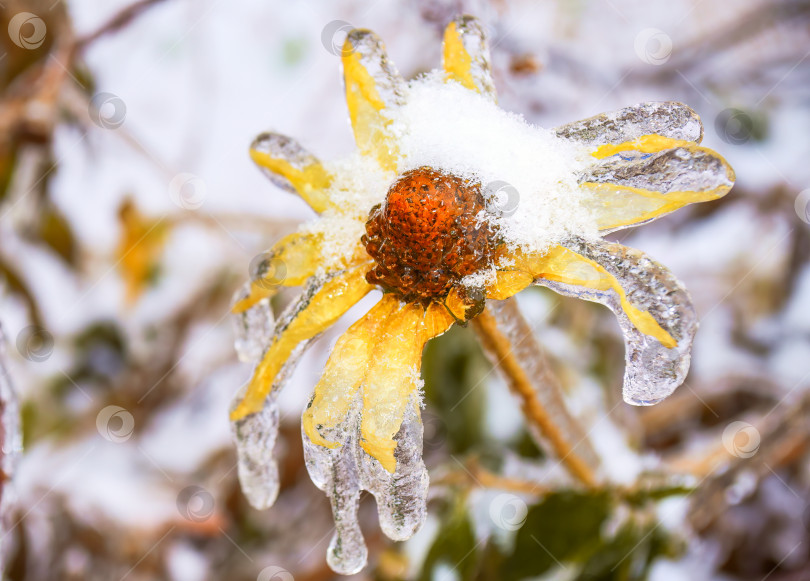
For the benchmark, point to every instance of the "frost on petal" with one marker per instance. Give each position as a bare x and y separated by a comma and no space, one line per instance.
669,119
255,437
373,85
334,470
632,187
655,301
291,167
466,55
253,327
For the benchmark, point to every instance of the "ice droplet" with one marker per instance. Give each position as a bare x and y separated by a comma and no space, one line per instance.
253,327
255,437
652,371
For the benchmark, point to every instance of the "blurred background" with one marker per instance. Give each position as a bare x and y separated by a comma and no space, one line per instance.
130,211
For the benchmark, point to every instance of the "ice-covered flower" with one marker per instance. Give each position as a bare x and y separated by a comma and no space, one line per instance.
450,202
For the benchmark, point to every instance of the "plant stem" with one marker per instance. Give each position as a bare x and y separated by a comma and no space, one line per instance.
510,344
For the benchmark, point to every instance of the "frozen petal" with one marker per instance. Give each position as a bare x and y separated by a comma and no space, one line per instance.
654,310
291,167
466,56
335,472
668,119
253,326
508,283
373,84
343,375
290,262
391,382
255,437
320,305
464,303
640,181
401,496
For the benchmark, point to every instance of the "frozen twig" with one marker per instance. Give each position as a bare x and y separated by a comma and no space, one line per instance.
510,344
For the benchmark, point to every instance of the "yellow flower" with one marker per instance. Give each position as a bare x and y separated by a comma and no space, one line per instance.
440,241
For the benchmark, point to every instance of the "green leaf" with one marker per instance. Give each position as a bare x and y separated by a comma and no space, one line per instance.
565,527
628,555
454,547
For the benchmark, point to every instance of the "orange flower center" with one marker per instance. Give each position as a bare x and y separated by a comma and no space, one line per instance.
428,235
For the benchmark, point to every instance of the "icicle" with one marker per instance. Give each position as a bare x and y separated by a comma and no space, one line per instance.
401,496
255,437
334,470
253,327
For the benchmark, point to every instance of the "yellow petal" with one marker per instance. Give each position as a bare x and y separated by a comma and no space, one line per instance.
290,262
644,144
324,308
345,371
562,265
392,381
462,304
372,85
508,283
437,319
292,167
667,176
465,57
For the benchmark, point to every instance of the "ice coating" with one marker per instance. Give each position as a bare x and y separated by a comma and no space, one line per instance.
673,171
668,118
473,39
279,146
255,437
529,353
401,496
370,50
652,371
253,328
344,471
335,472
